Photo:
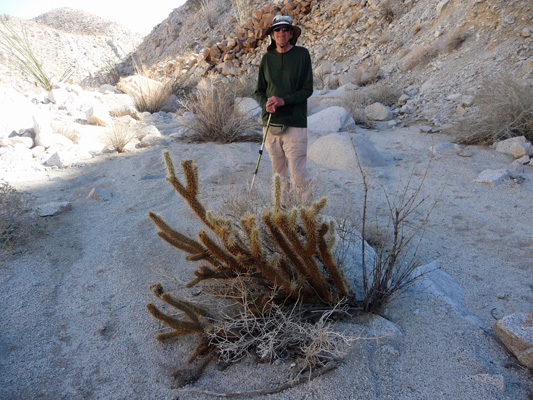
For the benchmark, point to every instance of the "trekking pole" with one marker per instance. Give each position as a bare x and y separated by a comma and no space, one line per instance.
261,151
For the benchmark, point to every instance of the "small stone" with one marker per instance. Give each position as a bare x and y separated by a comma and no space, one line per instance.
501,296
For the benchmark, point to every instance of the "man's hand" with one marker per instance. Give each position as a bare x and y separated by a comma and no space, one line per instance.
273,103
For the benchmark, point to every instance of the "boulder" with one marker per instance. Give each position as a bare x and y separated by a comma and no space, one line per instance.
43,130
248,106
504,146
516,333
493,177
378,112
521,149
336,151
332,119
54,208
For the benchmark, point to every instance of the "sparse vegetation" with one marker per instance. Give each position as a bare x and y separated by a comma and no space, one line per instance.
455,38
387,11
280,276
17,217
210,11
17,46
420,56
505,110
217,119
242,10
151,95
119,135
383,93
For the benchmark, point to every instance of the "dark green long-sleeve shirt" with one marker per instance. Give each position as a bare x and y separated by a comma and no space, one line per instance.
289,76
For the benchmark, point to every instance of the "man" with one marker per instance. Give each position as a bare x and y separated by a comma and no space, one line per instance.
284,84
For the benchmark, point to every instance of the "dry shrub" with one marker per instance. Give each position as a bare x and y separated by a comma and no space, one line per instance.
454,39
210,11
365,75
416,28
387,11
119,135
397,240
354,101
17,218
384,93
505,110
420,56
243,9
217,119
152,96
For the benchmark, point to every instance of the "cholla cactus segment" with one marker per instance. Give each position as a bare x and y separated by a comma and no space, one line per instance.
169,164
277,193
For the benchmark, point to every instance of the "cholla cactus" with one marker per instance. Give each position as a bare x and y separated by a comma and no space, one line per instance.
286,250
280,257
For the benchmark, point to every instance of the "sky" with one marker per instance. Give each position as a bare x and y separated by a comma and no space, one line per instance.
139,16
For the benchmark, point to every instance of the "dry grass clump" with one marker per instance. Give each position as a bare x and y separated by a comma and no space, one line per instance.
217,119
505,110
387,11
420,56
243,8
454,39
17,217
384,93
210,11
152,96
119,135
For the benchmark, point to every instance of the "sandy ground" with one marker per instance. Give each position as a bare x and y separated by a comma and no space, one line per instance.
73,319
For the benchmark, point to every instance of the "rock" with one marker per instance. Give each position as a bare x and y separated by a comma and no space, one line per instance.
153,140
462,152
441,6
441,147
431,281
332,119
11,104
521,149
27,142
52,159
98,114
54,208
99,194
43,130
523,160
58,96
378,327
248,106
504,146
378,112
516,333
336,151
493,177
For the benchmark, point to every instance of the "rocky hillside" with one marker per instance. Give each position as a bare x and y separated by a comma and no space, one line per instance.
436,53
431,49
68,41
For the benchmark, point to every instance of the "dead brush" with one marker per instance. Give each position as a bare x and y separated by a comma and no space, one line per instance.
217,119
119,135
390,269
17,217
505,110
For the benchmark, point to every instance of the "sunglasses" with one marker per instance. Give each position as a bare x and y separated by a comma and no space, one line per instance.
284,29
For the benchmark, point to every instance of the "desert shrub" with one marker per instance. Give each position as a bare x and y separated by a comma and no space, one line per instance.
420,56
365,75
455,38
396,238
217,119
243,86
210,12
354,101
151,96
383,93
243,9
17,46
387,11
17,217
119,135
505,110
274,277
